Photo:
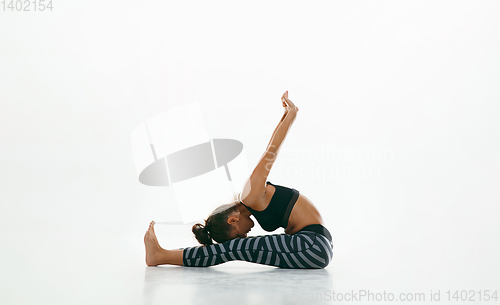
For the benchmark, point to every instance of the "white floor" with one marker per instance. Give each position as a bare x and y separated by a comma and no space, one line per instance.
246,283
47,266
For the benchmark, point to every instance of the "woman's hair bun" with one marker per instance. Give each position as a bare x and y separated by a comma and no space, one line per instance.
202,235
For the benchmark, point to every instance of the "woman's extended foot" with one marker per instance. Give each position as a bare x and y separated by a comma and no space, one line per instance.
153,250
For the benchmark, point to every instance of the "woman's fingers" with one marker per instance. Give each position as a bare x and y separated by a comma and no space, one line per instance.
287,103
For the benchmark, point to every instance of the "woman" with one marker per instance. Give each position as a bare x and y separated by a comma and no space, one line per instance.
305,244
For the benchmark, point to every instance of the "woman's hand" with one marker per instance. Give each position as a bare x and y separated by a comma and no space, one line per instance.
288,105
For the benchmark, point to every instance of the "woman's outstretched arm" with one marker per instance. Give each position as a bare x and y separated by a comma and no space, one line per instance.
271,153
255,187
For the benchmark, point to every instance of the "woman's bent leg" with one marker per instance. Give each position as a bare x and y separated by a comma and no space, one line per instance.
303,250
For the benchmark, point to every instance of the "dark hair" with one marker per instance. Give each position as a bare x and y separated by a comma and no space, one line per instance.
216,226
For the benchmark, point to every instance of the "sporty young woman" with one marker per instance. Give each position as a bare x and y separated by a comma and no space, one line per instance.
306,243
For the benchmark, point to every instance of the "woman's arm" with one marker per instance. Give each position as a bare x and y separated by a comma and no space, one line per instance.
254,189
261,171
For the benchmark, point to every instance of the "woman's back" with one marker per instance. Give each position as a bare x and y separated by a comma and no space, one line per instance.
303,213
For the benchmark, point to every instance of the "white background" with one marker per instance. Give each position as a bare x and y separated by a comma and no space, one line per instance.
403,91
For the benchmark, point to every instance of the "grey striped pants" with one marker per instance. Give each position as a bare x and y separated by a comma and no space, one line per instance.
302,250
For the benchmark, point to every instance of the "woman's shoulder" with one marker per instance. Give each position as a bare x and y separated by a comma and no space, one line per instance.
259,203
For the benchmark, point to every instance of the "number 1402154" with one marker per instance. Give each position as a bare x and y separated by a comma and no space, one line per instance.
27,5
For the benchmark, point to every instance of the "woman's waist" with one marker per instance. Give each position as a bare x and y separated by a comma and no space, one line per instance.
317,228
303,213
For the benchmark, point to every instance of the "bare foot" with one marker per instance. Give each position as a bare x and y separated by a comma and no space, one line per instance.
153,249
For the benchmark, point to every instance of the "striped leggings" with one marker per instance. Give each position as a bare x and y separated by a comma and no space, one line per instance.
310,248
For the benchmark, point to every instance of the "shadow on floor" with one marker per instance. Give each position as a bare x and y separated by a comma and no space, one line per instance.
236,282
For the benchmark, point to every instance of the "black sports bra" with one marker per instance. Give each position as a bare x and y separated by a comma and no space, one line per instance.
278,211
